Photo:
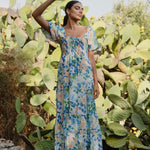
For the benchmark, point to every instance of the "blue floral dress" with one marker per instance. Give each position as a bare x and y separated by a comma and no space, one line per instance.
76,126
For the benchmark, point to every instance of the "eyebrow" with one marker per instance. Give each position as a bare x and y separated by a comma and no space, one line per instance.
79,7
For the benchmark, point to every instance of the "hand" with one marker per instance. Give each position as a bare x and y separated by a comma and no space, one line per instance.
96,91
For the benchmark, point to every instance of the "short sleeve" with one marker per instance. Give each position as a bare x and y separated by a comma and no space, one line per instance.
54,34
92,40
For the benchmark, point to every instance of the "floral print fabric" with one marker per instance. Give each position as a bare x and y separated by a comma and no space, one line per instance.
77,126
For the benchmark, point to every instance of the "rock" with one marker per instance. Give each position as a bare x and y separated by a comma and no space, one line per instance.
9,145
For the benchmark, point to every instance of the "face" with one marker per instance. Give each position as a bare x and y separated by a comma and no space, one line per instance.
76,11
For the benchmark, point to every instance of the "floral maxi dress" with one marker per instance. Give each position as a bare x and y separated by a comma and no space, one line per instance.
76,126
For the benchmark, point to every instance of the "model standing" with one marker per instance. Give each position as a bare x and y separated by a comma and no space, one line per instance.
77,126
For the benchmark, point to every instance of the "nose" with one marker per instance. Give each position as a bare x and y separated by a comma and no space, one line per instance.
81,11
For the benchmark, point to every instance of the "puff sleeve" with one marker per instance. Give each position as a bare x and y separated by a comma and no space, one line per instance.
54,34
92,40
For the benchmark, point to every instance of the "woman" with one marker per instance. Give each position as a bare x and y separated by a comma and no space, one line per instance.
76,126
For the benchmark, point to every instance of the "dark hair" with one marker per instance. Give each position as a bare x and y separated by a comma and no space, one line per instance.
68,6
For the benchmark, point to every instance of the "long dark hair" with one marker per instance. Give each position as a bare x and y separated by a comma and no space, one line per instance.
68,6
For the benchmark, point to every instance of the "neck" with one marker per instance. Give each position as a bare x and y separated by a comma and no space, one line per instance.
72,24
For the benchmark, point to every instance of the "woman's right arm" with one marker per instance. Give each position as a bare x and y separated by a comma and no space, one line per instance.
38,12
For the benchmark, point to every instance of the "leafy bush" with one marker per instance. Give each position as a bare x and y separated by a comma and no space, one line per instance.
135,11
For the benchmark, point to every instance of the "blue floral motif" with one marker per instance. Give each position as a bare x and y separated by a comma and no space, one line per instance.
76,126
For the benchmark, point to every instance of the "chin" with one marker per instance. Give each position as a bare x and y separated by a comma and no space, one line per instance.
78,18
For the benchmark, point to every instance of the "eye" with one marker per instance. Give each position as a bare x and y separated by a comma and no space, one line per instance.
77,8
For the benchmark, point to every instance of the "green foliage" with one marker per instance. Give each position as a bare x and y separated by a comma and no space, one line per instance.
17,105
138,122
144,45
144,91
50,125
50,108
100,32
84,21
116,141
130,32
124,55
45,144
12,3
145,117
21,121
132,90
26,9
38,99
48,78
33,137
37,121
20,37
117,129
119,101
29,50
23,16
38,133
134,11
21,117
30,31
136,142
118,114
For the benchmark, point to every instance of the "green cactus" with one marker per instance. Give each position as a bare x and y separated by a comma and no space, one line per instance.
21,117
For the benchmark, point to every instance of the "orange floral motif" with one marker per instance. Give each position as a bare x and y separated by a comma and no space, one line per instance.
67,73
83,61
84,67
78,51
70,145
83,100
93,132
83,124
59,127
82,132
60,96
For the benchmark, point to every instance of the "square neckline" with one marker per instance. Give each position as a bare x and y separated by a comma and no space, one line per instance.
88,27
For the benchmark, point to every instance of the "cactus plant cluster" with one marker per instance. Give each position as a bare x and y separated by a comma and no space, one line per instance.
123,73
123,66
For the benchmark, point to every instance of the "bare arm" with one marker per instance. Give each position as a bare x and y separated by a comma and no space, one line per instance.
38,12
92,60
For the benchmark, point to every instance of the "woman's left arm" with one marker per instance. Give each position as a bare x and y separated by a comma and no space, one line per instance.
92,60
